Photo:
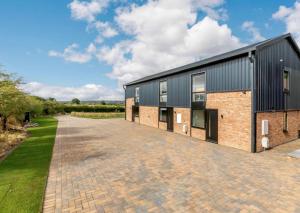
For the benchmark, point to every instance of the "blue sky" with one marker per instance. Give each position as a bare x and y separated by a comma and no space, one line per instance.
88,49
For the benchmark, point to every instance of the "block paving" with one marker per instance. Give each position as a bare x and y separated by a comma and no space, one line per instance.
119,166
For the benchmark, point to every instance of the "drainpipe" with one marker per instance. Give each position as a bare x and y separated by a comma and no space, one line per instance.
251,57
124,87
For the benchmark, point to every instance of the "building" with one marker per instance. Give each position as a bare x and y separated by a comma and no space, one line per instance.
234,99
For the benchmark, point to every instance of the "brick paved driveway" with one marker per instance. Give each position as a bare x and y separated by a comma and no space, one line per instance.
118,166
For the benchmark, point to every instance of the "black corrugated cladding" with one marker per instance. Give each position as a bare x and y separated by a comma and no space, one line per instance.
229,75
271,61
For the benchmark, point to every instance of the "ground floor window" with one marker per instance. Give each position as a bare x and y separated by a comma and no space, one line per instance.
285,122
163,114
198,118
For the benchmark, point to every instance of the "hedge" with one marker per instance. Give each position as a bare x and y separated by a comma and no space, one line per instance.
93,108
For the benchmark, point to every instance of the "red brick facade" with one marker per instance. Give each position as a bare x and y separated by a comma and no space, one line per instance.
276,123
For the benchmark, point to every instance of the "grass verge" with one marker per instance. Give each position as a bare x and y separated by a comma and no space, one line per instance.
23,174
98,115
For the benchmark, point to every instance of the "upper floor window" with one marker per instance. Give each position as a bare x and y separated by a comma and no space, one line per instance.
198,87
286,81
163,90
137,95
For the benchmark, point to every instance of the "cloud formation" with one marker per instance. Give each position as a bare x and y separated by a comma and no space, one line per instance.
72,54
291,17
86,92
250,28
165,34
87,10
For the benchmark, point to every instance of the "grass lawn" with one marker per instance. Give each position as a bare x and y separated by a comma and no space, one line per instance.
98,115
23,174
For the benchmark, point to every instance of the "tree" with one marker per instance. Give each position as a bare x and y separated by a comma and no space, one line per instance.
13,102
103,102
75,101
35,106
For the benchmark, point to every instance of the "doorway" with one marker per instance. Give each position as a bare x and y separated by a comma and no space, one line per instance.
170,119
212,125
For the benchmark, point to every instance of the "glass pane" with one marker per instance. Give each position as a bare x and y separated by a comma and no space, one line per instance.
198,119
199,83
163,88
163,99
137,99
137,92
286,80
197,97
163,114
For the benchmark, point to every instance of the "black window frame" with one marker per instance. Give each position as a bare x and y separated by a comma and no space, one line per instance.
137,97
204,117
286,90
285,122
163,104
198,104
159,117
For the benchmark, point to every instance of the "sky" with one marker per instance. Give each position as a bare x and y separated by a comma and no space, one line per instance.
89,48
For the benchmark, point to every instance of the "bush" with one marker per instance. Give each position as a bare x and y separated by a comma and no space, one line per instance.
93,108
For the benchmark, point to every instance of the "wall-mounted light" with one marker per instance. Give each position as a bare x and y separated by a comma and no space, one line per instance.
222,116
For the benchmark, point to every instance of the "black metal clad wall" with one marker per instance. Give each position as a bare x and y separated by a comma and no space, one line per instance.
149,93
269,75
129,92
231,75
179,91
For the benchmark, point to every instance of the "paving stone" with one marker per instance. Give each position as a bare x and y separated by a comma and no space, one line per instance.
119,166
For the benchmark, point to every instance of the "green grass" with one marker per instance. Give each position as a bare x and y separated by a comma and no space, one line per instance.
23,174
98,115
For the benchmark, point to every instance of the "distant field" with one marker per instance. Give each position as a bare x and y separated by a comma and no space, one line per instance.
68,108
98,115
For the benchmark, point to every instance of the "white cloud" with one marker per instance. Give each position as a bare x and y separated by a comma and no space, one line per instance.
255,33
87,10
85,92
72,54
291,17
165,34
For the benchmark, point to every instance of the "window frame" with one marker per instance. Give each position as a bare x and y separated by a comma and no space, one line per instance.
192,87
137,97
192,116
161,95
159,118
286,90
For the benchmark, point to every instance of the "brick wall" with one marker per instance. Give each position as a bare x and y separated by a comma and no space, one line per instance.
234,129
149,116
185,120
163,125
198,133
129,104
276,134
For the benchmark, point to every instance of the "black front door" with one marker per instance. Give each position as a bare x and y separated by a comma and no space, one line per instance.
170,119
212,126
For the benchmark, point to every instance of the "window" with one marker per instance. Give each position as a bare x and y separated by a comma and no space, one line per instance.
163,114
285,122
198,118
137,95
286,81
198,90
163,90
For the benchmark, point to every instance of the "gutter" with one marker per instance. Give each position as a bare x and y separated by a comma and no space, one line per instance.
252,60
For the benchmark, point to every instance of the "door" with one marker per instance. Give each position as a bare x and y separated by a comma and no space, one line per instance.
212,126
170,119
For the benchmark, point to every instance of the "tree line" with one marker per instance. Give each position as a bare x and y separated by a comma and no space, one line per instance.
14,103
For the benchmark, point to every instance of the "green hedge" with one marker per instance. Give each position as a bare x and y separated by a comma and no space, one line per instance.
93,108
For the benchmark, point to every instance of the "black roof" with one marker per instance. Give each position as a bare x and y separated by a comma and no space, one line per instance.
214,59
